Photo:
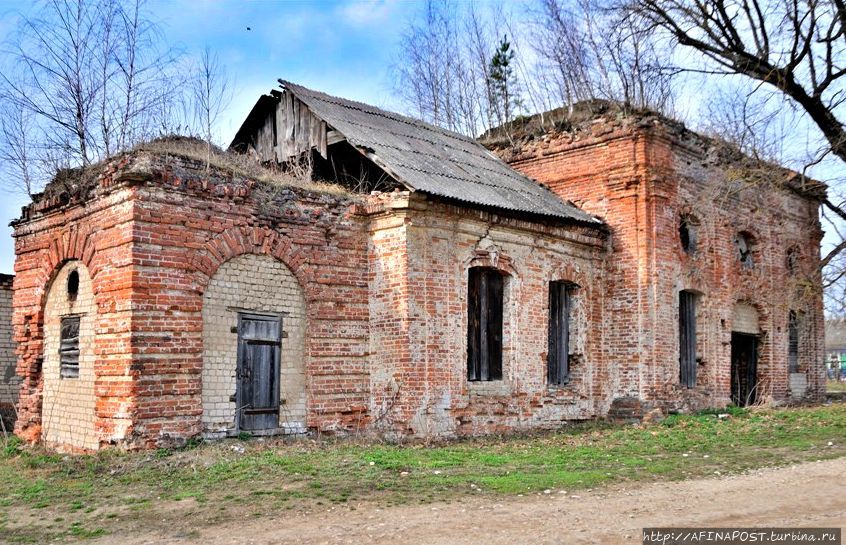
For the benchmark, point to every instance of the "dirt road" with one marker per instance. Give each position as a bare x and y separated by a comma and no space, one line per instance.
811,494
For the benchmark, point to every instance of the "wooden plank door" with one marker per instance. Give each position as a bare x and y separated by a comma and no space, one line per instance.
257,372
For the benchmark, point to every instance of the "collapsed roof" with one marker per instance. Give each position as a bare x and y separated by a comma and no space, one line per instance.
417,155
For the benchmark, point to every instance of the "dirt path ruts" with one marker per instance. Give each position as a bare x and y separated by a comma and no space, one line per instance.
811,494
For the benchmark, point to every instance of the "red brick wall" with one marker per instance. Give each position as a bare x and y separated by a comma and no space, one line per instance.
421,251
99,234
607,176
151,250
385,287
640,179
188,235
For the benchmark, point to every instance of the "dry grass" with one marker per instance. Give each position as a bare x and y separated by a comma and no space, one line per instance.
835,386
238,165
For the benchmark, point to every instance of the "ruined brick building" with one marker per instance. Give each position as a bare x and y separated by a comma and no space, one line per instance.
428,290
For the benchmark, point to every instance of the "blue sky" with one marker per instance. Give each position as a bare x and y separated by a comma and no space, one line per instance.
340,47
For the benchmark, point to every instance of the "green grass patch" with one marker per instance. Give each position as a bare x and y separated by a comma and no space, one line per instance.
97,494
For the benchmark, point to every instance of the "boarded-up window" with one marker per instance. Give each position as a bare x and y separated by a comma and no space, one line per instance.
558,353
69,347
687,338
793,342
484,324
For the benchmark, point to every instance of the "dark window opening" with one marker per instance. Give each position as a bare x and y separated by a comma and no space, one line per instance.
73,284
561,297
744,244
484,324
792,260
793,342
69,347
687,338
687,234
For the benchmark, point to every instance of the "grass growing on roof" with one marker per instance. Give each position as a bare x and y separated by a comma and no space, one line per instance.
46,496
238,164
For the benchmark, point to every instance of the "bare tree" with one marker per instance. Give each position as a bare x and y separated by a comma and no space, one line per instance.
211,94
58,79
797,47
434,74
449,67
15,153
753,122
445,71
559,42
90,78
147,80
590,52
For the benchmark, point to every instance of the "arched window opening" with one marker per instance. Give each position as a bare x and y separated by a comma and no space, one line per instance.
745,244
688,234
792,259
73,284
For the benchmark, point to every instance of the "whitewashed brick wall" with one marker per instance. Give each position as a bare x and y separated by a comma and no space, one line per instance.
256,283
8,380
68,404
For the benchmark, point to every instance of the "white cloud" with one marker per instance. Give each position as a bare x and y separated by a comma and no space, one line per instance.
365,12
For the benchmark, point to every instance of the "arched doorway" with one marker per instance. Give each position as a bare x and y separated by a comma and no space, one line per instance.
745,339
253,349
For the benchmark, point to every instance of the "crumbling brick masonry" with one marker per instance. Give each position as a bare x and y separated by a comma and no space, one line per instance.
161,299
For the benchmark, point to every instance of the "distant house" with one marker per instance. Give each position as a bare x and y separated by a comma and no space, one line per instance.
427,289
835,343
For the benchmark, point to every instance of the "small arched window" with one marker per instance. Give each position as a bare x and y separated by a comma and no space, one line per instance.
73,284
744,244
688,234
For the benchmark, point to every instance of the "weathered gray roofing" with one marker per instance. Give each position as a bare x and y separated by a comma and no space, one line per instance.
435,161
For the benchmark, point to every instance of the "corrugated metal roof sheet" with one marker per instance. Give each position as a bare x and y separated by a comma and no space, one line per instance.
435,161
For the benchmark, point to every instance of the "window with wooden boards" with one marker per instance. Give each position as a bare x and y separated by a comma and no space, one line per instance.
484,324
561,299
687,338
69,347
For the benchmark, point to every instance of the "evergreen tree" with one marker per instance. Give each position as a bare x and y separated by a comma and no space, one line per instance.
503,88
